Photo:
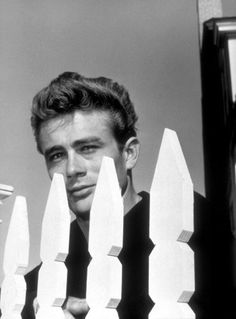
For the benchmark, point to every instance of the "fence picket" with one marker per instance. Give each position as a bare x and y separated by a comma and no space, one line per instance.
171,278
51,292
15,262
105,243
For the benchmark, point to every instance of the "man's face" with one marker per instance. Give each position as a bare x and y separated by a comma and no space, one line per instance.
74,145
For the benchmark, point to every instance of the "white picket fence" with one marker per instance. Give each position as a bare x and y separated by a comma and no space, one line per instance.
171,271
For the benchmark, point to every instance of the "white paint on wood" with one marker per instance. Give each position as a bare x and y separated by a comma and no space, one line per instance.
53,251
15,262
105,243
171,271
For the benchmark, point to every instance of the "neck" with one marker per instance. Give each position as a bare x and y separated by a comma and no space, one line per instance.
130,196
84,226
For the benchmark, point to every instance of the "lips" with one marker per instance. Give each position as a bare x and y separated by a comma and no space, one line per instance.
81,191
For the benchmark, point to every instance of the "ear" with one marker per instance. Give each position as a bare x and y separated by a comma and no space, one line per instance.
131,152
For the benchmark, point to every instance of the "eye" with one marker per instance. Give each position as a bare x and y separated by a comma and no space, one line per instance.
55,157
88,149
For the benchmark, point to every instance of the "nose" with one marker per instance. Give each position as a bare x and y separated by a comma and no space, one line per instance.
75,165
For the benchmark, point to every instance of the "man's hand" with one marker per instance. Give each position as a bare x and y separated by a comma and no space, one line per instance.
74,308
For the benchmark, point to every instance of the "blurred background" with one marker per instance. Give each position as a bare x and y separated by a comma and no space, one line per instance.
150,46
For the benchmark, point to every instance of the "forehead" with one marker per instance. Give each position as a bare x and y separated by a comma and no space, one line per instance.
75,126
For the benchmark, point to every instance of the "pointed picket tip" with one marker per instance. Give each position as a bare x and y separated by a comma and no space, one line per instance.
16,253
55,234
171,150
108,202
171,180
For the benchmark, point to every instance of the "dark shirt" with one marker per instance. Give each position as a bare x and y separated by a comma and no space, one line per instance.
135,302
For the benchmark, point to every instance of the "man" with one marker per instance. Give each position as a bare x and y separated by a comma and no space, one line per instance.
76,121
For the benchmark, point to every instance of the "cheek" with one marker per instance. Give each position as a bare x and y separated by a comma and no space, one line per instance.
94,166
60,169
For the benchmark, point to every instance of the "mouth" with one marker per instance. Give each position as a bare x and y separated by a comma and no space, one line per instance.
81,192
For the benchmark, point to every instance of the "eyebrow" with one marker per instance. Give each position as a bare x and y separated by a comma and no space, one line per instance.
75,144
87,140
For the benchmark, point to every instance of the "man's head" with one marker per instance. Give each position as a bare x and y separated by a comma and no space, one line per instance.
71,92
77,121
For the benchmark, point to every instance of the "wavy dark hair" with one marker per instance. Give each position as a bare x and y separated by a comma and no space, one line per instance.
71,91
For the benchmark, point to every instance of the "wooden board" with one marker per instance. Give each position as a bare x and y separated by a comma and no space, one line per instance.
53,251
171,271
105,244
15,262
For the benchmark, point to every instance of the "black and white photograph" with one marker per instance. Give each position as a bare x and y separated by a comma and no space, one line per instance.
118,153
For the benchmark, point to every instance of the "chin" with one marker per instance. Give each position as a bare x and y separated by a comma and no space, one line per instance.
81,206
81,209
